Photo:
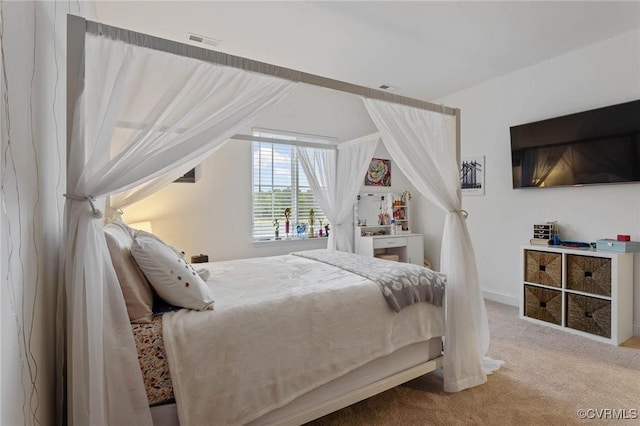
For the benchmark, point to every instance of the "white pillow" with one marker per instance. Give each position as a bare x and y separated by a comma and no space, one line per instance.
173,279
135,288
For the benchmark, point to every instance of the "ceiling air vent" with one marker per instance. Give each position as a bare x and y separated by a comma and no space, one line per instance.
388,88
202,39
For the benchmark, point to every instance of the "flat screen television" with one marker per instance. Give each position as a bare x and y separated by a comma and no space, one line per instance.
598,146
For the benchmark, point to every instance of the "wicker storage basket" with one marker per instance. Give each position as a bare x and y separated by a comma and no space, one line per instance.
589,314
543,304
543,268
589,274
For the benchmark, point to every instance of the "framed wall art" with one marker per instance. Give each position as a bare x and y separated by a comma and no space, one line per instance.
379,173
472,175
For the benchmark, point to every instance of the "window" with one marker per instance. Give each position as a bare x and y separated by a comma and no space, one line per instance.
279,182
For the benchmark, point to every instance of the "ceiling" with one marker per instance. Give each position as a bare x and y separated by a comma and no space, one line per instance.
425,49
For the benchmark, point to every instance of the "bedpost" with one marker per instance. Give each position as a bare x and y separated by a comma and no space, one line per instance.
76,28
457,115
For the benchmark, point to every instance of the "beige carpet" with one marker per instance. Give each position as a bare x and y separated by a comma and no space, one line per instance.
548,376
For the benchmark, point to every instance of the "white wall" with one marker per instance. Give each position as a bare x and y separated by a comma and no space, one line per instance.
33,180
213,216
500,221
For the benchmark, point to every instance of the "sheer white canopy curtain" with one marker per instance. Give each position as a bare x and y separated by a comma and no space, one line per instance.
143,115
423,146
335,177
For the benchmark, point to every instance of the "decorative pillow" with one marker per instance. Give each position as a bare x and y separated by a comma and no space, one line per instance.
141,233
136,290
170,275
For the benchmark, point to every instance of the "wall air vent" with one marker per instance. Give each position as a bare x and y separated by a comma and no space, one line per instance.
202,39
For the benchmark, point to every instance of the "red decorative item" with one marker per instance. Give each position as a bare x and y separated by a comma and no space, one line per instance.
622,237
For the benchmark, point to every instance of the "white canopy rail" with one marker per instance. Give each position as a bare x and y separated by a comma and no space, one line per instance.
115,76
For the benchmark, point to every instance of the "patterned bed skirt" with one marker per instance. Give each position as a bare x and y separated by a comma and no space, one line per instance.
153,361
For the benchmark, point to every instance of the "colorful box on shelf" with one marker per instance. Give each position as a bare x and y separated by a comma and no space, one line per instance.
608,244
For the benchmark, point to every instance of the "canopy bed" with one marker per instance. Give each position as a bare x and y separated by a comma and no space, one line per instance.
140,112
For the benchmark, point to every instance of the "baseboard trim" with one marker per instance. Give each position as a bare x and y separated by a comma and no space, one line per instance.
636,330
501,298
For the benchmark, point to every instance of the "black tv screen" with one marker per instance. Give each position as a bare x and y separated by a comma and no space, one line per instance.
591,147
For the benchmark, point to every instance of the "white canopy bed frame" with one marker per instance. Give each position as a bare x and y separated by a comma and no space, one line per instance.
95,353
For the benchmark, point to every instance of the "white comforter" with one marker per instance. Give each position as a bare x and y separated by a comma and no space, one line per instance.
282,326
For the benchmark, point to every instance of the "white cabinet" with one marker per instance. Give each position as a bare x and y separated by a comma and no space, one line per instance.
415,249
389,242
585,292
408,247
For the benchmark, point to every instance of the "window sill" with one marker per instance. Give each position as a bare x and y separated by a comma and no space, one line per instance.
287,241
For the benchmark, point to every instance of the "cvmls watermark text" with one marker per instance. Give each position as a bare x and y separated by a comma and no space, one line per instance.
608,413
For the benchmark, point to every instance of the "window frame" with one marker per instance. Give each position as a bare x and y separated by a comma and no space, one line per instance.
293,139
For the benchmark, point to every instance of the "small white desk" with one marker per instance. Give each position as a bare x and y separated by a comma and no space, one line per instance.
409,247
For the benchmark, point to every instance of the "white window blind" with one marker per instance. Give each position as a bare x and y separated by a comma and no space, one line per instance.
279,182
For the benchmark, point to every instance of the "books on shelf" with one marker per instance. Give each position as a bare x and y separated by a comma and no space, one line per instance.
540,241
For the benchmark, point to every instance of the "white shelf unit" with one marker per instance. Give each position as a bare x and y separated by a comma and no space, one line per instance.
400,214
585,292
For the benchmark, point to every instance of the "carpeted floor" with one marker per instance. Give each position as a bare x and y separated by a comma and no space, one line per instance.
548,376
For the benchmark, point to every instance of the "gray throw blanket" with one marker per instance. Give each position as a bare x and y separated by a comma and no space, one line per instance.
402,284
